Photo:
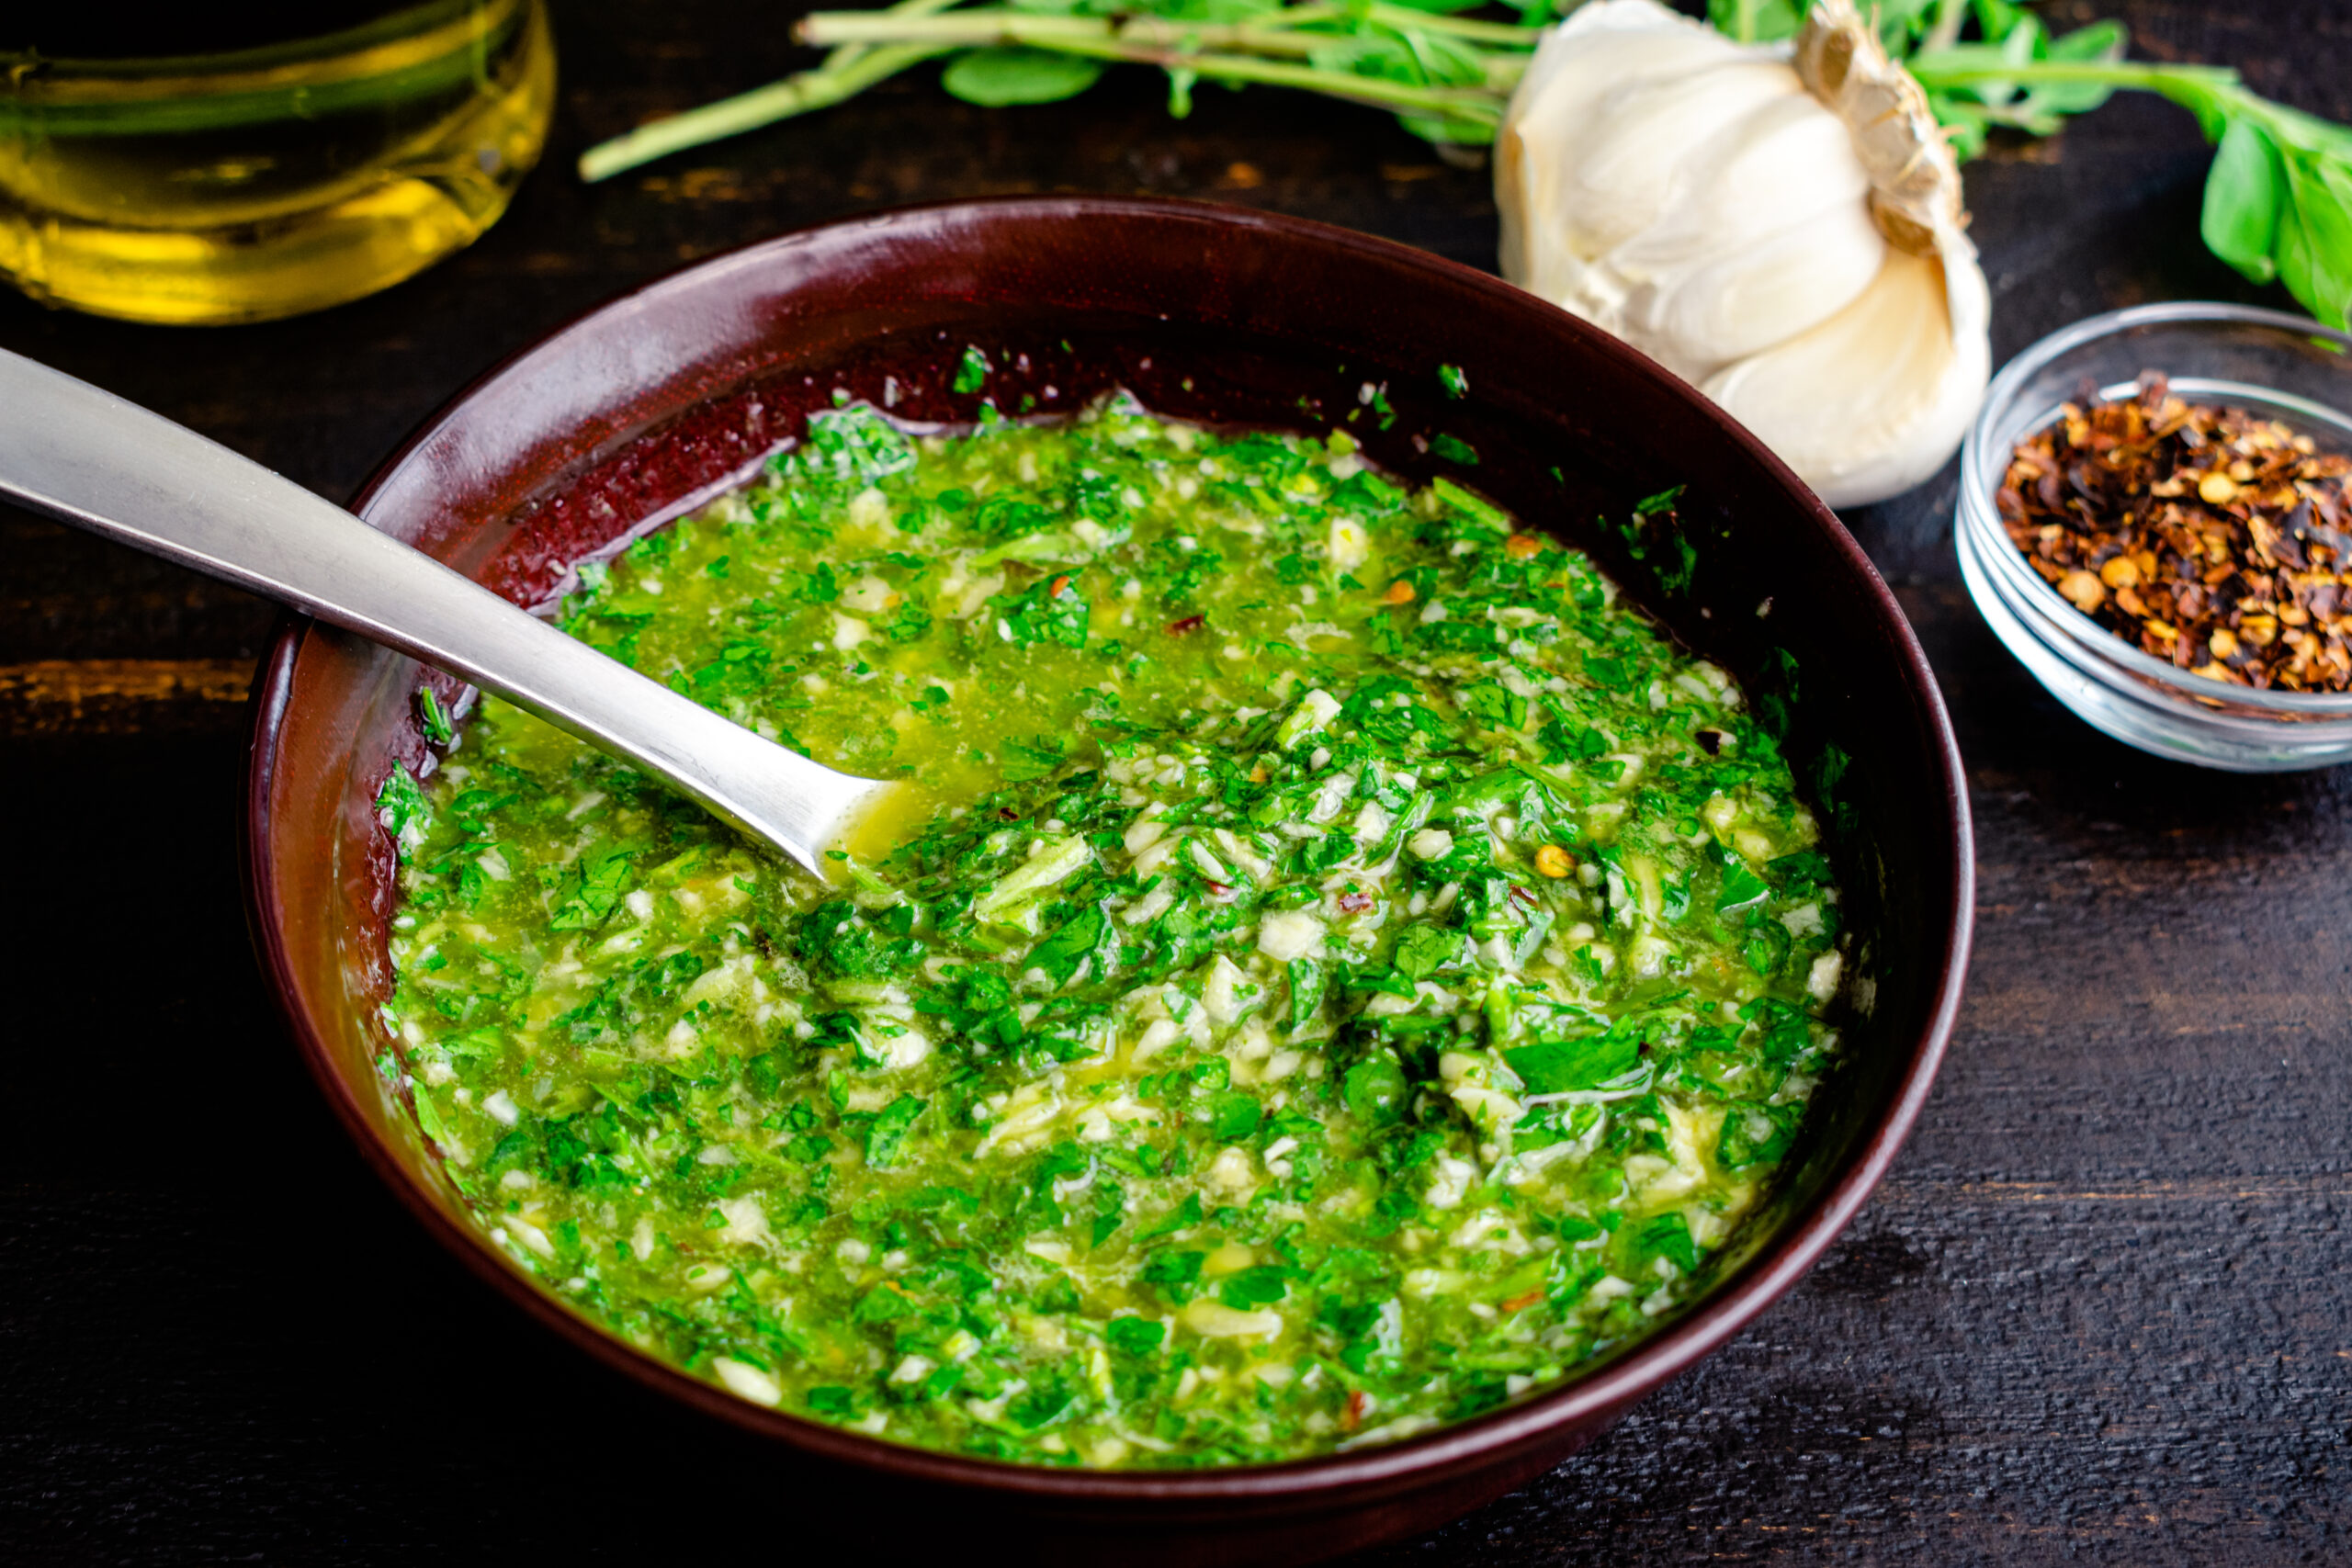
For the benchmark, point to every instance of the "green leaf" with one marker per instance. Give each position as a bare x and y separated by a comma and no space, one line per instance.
1184,1217
1043,1404
1741,887
1051,609
1563,1066
401,808
1423,950
1495,706
857,442
1668,1237
2099,41
1134,1336
1172,1268
2242,198
1060,955
434,722
889,1131
2318,269
428,1117
1755,1135
839,1402
971,372
1234,1116
1375,1090
993,78
1756,21
604,878
1262,1286
1306,984
883,1304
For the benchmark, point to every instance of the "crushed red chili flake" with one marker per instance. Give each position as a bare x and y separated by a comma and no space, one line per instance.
2213,539
1189,623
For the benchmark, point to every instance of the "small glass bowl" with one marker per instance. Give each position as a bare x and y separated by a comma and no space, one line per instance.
2266,361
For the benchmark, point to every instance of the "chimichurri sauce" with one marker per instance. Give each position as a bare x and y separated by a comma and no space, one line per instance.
1345,968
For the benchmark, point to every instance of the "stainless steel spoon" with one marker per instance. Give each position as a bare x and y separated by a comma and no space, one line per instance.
89,459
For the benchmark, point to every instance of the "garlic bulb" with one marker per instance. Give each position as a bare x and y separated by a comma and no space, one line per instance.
1783,229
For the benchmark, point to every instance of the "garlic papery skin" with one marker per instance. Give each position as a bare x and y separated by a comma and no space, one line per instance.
1780,227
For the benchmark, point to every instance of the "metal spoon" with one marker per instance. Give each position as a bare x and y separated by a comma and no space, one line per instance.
89,459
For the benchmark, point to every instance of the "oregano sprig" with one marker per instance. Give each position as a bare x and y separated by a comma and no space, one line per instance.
2279,197
1447,77
2277,200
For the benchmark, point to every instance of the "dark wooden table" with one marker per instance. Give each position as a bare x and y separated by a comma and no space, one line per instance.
2099,1310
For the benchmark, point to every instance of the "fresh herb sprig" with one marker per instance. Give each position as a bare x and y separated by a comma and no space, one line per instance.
1448,77
2278,201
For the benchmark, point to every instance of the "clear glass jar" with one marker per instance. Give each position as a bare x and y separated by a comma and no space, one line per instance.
310,155
2271,364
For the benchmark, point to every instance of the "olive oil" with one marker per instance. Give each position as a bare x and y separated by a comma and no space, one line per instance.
268,179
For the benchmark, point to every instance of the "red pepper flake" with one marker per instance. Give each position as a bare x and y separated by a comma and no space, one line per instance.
1399,593
2210,538
1520,1303
1355,903
1188,625
1521,897
1353,1416
1217,889
1061,587
1006,813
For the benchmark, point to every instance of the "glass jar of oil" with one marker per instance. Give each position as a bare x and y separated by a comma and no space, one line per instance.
288,157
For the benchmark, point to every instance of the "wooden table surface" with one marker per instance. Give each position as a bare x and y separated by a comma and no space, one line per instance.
2099,1310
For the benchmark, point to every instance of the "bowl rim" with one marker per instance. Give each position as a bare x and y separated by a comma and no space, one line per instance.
2184,691
1694,1334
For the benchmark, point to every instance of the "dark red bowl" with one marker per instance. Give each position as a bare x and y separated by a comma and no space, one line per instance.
1230,317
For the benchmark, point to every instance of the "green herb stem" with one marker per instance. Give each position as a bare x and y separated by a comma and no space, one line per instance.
1480,104
795,94
2173,81
1271,49
968,29
2278,200
846,72
1283,30
1509,35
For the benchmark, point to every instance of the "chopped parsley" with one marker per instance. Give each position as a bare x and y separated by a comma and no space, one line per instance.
1344,968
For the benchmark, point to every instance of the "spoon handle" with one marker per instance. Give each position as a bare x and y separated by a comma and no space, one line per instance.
87,458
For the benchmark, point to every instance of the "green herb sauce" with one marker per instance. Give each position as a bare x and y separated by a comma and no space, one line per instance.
1344,968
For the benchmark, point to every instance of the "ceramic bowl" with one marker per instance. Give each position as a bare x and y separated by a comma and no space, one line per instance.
641,408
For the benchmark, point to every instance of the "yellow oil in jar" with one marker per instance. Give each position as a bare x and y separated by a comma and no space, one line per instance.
270,180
